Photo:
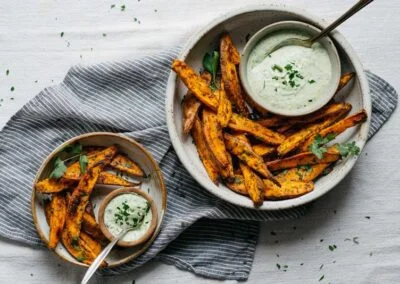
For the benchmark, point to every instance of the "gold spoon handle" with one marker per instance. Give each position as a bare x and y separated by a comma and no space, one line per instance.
357,7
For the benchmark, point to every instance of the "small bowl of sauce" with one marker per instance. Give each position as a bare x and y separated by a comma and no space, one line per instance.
128,208
292,80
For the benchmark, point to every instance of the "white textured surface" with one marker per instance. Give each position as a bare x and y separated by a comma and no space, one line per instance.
32,49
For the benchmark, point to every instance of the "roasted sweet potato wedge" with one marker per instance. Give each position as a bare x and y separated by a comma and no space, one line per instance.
227,173
345,79
251,181
243,124
80,195
78,248
224,107
245,153
296,140
338,127
55,211
213,135
302,173
191,106
90,226
263,150
203,151
289,189
196,85
285,123
302,159
51,185
126,165
237,184
229,59
73,171
108,178
92,244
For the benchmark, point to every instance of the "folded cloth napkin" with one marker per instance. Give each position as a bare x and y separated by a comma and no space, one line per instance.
200,233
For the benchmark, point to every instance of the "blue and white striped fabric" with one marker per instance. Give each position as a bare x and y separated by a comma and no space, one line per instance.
201,233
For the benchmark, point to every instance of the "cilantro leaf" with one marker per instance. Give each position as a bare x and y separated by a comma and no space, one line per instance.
318,146
83,162
348,149
59,169
210,63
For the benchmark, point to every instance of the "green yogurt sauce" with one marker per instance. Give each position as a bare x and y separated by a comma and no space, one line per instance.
128,210
292,77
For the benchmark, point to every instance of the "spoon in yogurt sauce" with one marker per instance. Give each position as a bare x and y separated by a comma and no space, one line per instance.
309,42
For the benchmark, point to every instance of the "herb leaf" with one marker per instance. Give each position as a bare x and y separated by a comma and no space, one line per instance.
210,63
59,169
318,145
348,149
73,149
83,162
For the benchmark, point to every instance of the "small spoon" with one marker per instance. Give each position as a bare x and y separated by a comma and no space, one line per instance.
99,259
309,42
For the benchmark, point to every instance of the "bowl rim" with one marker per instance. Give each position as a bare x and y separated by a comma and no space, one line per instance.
284,25
159,176
171,89
127,190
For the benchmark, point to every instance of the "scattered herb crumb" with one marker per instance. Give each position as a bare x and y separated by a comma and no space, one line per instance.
123,8
273,233
368,217
278,265
321,266
104,34
12,98
301,264
31,274
112,6
7,72
61,34
311,81
355,240
321,278
321,240
12,89
332,247
370,254
36,81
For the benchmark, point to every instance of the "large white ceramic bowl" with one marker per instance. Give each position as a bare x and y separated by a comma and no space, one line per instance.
242,24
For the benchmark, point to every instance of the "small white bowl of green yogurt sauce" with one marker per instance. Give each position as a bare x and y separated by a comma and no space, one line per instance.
292,80
128,208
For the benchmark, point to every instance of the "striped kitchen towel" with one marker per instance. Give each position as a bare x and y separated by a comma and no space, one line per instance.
200,233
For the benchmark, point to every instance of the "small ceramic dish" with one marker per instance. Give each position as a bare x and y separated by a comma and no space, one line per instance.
153,185
129,190
311,31
241,25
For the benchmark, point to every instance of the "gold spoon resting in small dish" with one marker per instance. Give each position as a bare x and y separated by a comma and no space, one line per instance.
309,42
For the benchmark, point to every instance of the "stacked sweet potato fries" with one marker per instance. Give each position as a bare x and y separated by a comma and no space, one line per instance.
259,154
69,213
